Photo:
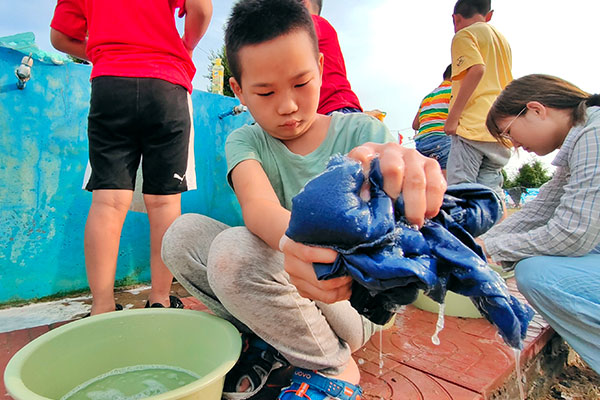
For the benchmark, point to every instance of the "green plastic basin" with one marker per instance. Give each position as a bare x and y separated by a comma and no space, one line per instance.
456,305
56,362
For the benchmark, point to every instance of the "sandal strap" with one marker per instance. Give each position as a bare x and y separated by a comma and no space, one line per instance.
174,302
336,388
256,363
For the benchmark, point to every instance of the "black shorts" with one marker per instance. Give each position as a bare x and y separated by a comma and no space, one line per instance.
133,118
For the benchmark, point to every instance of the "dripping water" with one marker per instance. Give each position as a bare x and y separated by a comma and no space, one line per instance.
519,377
439,325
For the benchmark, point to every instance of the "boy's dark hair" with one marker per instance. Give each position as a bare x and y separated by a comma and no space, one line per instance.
448,73
257,21
468,8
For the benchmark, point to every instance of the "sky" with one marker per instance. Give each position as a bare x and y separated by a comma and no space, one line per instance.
397,50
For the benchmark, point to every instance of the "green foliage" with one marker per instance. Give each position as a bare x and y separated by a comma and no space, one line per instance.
532,175
507,182
226,73
77,60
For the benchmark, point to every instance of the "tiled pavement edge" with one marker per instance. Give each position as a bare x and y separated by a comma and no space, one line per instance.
471,362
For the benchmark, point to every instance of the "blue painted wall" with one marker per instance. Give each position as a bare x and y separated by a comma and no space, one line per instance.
43,155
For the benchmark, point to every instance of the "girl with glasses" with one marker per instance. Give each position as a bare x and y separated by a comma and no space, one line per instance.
554,241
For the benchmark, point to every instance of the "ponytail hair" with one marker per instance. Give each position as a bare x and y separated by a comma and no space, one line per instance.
548,90
593,100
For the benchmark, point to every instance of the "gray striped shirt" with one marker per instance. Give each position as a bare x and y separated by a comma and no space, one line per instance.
564,219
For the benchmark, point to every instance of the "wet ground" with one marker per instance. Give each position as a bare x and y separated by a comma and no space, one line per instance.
576,382
471,363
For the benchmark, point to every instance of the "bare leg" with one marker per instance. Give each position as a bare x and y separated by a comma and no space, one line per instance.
350,374
101,244
504,212
162,211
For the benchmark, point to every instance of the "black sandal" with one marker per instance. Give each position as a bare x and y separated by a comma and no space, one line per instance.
263,368
118,307
173,300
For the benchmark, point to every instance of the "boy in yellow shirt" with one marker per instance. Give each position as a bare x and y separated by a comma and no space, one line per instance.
481,69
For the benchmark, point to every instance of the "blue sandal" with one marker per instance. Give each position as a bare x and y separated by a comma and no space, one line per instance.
310,385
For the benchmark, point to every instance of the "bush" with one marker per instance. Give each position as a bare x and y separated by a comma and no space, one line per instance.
532,175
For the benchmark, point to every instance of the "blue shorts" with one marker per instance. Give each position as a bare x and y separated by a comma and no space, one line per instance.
345,110
435,146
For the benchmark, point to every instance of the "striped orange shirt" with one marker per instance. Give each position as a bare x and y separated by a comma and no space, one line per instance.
434,111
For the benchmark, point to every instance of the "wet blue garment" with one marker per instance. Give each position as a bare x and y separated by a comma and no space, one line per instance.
390,260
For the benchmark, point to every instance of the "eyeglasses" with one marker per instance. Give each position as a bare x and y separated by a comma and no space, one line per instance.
504,133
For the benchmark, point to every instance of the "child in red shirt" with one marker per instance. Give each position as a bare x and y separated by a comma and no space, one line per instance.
140,106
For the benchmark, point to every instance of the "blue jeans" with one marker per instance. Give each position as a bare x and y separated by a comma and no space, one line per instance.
566,292
345,110
435,146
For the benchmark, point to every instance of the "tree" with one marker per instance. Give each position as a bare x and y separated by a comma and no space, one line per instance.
532,175
507,182
222,54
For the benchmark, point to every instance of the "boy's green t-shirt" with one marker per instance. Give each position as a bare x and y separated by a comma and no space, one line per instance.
289,172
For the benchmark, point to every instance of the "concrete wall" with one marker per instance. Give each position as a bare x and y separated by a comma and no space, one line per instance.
43,155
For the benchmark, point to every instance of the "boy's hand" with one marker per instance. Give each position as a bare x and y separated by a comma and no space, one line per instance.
182,11
298,260
190,51
405,171
468,85
451,125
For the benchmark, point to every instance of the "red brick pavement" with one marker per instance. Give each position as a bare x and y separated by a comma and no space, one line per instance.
470,363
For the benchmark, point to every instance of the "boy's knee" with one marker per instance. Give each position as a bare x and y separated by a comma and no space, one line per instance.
112,200
176,238
155,201
223,259
232,260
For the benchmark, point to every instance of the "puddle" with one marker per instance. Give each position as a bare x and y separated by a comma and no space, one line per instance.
40,314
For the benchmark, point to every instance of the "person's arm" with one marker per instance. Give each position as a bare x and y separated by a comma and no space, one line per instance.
573,227
263,214
68,45
416,124
198,15
468,85
534,213
266,218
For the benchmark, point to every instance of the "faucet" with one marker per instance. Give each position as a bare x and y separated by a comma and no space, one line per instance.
234,111
23,71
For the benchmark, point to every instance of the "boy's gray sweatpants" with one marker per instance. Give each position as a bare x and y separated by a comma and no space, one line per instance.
241,279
